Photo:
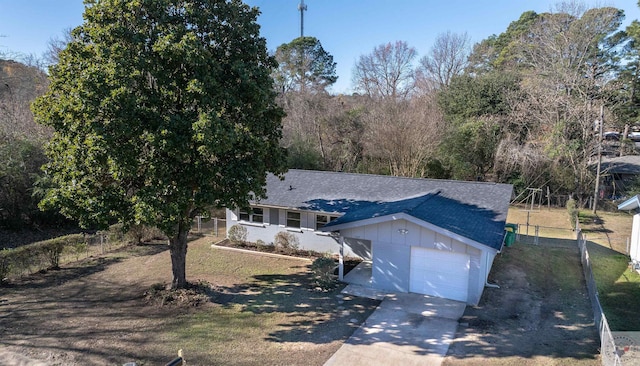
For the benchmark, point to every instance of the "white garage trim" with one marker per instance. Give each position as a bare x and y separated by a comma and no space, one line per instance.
439,273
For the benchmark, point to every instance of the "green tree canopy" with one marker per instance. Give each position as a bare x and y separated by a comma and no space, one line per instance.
477,110
304,66
497,51
161,108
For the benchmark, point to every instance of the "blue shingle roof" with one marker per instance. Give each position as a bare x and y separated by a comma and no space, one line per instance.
475,210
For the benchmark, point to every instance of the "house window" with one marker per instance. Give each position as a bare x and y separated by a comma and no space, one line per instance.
322,220
257,215
254,215
293,219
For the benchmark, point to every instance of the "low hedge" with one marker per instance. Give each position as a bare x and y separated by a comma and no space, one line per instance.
52,249
5,262
40,255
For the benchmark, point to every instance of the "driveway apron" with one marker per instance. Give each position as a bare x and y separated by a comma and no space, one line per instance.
405,329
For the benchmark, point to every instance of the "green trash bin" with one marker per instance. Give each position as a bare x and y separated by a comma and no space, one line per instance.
510,235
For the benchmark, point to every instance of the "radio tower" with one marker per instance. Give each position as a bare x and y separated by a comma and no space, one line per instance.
302,8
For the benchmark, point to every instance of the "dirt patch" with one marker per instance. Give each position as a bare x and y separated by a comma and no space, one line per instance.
194,295
534,318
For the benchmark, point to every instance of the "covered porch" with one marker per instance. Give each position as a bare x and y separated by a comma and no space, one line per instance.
360,275
360,283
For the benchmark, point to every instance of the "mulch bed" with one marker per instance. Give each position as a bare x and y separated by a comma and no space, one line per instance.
349,262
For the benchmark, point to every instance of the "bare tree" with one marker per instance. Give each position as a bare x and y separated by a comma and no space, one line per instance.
387,72
55,45
20,84
302,128
404,135
447,58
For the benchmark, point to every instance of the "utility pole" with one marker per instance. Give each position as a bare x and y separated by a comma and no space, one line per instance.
595,194
302,7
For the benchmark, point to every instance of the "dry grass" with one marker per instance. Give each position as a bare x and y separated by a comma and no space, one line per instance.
607,234
608,229
540,315
263,311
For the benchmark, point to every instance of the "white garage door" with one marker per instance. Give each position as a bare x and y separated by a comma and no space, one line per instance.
439,273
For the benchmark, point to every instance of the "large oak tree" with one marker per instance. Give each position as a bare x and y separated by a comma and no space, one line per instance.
161,108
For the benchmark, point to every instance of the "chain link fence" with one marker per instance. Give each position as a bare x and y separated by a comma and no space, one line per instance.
608,350
545,235
209,226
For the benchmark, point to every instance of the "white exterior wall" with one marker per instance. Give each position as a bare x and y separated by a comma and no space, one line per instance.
634,249
391,252
308,237
389,249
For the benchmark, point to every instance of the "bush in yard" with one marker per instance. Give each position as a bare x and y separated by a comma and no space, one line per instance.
238,234
5,263
322,269
77,249
142,233
286,241
52,249
51,252
572,210
23,258
115,233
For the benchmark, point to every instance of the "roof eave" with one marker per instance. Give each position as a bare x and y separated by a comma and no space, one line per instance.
412,219
630,204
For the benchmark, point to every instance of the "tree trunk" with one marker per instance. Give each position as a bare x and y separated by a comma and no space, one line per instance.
178,249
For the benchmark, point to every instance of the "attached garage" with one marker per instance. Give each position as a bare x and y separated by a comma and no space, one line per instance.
439,273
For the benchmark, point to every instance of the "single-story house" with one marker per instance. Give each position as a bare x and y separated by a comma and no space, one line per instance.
618,175
633,203
435,237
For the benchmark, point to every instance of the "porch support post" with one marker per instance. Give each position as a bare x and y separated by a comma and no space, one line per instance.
341,259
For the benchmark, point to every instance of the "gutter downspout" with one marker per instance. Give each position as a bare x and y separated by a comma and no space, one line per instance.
486,282
341,260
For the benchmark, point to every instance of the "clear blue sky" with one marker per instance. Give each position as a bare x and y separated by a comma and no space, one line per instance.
346,28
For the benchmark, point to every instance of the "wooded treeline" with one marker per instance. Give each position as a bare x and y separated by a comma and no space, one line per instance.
521,107
21,147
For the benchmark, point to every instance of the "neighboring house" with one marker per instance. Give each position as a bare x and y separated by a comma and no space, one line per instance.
436,237
633,203
618,175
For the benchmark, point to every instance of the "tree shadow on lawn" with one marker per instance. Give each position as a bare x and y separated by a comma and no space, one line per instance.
314,316
56,277
84,322
72,317
540,309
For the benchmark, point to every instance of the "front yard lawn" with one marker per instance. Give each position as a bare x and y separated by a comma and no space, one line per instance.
263,311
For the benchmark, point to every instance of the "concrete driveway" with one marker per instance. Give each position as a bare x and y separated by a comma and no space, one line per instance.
406,329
